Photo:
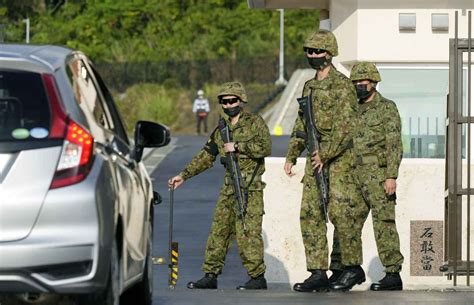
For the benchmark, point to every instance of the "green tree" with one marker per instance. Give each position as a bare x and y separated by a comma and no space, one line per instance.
158,30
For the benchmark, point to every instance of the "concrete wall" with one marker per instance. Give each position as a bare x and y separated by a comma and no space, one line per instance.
344,25
369,30
420,197
381,41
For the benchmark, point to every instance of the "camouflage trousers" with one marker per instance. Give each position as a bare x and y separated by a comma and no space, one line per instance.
347,212
227,226
370,179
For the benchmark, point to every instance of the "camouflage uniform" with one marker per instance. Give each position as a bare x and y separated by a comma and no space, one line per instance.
334,105
253,138
378,152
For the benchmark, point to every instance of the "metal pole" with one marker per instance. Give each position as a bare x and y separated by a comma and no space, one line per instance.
27,21
170,228
173,247
468,246
456,156
281,79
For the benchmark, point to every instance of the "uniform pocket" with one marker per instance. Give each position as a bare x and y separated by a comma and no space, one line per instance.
323,113
255,204
382,159
374,121
374,135
242,137
324,119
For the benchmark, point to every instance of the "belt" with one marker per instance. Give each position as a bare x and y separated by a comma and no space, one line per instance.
367,159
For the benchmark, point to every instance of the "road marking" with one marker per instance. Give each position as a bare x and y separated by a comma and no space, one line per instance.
289,100
157,155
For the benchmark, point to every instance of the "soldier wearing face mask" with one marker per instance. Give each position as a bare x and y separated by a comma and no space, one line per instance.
252,143
335,107
378,152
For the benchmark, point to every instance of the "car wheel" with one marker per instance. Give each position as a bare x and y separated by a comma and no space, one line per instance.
142,292
111,294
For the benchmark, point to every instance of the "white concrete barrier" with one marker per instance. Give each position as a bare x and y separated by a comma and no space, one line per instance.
420,194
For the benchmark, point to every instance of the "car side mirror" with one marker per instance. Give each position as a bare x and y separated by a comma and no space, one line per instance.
149,134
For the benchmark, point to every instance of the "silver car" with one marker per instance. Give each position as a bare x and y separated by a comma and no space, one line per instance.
76,203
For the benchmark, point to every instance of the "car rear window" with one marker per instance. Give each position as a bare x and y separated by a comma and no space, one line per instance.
24,108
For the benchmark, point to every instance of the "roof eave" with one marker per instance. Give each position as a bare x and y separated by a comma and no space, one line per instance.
283,4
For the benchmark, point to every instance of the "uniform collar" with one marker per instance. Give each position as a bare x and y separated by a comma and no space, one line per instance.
244,116
315,83
372,104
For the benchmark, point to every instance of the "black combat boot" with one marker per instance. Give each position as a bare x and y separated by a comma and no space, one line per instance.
391,281
209,281
317,282
336,273
258,282
351,276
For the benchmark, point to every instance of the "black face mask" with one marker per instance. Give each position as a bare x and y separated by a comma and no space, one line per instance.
232,112
362,93
318,63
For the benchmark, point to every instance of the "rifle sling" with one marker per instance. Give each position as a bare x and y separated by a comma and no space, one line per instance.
259,163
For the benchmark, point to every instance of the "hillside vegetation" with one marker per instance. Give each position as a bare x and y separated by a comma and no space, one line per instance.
156,54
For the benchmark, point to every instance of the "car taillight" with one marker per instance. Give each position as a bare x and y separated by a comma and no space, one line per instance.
77,151
76,157
77,148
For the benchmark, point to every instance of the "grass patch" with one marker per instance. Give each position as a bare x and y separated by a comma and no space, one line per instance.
150,102
172,106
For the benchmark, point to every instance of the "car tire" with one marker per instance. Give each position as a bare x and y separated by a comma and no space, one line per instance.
111,294
142,292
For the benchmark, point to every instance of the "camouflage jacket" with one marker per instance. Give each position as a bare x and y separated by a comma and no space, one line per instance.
379,134
253,137
335,109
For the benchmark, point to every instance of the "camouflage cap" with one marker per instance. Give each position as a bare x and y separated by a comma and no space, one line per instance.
365,70
233,88
322,39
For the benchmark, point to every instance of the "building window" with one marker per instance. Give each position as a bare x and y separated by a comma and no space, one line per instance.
440,23
407,22
420,94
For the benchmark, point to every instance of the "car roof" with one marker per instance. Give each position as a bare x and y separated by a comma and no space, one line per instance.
47,57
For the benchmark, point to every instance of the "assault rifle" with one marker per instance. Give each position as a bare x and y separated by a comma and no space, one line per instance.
232,166
312,144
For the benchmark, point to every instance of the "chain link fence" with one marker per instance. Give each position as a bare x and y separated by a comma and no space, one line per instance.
194,74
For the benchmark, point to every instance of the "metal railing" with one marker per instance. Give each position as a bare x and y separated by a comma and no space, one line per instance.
458,194
196,73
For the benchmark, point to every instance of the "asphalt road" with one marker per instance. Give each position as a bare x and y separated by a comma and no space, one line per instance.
194,204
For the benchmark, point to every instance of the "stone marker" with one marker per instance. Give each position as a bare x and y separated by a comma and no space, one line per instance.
426,247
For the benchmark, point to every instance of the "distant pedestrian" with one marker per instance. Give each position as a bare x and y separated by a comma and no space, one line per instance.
201,110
